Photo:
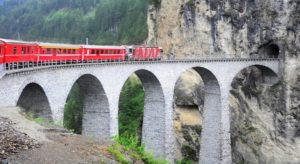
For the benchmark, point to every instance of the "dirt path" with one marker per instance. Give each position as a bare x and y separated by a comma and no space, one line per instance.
57,146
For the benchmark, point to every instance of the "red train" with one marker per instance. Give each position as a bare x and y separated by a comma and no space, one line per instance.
18,52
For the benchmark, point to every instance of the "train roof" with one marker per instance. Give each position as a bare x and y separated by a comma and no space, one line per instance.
16,41
58,45
105,47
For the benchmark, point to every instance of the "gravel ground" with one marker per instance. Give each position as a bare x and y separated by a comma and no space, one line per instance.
26,142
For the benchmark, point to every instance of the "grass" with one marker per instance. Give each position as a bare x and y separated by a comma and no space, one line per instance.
184,161
115,150
43,121
128,149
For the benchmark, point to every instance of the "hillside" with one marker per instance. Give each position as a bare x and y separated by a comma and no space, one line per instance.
102,21
25,141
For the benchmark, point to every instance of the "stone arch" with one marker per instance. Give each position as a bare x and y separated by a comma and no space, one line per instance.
268,75
153,128
33,99
210,136
96,113
254,99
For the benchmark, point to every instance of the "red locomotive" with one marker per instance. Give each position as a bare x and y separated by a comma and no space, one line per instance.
19,52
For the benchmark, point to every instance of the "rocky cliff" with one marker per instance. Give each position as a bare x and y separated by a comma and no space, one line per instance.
223,28
265,119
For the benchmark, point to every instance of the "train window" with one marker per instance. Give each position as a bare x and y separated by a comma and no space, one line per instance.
32,50
109,51
54,51
130,50
73,51
15,50
98,51
93,51
23,50
65,51
48,51
102,51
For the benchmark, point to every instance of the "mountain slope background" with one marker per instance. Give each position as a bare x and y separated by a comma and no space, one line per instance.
72,21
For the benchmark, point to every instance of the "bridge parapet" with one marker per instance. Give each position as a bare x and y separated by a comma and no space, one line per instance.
54,65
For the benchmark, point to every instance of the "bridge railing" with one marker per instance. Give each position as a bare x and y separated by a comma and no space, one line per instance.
15,66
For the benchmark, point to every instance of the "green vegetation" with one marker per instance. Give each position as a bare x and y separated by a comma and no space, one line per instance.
184,161
156,3
40,120
102,21
191,3
74,110
128,149
131,108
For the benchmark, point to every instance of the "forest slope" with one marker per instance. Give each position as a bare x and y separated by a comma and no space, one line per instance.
102,21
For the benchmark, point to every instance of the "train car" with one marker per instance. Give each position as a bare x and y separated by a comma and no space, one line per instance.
51,52
15,51
2,52
104,53
144,53
17,54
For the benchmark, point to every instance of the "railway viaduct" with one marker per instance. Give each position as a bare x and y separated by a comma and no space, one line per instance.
45,89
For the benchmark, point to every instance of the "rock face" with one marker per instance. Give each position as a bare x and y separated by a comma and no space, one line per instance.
189,89
265,119
258,123
222,28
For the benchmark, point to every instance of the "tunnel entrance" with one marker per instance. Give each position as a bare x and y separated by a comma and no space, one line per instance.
87,109
34,102
272,51
141,111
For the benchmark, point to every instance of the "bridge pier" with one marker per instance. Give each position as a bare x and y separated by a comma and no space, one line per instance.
225,124
153,119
